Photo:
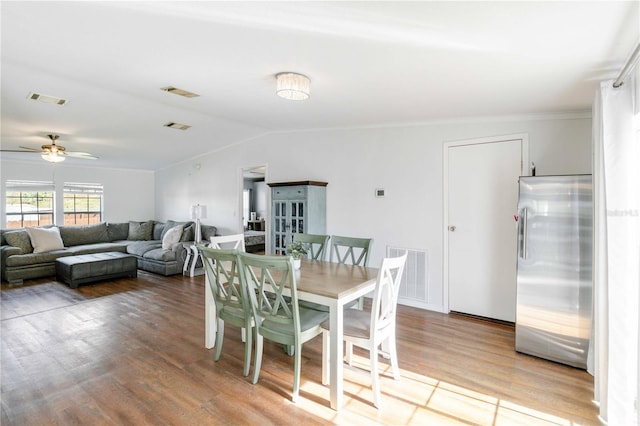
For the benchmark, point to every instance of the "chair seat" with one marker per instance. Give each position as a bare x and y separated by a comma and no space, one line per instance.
309,319
233,314
356,323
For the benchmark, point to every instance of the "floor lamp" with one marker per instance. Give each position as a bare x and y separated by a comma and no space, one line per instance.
198,212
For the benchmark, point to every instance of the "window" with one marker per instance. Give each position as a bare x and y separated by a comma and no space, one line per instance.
29,203
82,203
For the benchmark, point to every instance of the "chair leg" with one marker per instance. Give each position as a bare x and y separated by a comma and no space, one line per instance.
219,339
375,382
247,350
258,361
349,352
325,357
393,355
296,372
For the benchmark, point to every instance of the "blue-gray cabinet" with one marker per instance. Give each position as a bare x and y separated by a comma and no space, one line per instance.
296,207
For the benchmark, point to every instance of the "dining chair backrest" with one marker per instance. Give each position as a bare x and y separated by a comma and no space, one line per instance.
315,244
350,250
266,278
235,241
385,298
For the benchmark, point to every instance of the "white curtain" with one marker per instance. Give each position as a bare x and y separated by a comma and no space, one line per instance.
613,357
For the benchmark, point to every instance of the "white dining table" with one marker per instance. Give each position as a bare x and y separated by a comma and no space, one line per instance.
331,284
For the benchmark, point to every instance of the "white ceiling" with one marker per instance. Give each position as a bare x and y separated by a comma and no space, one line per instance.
370,64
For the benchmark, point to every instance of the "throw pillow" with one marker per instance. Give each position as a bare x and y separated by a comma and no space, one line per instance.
188,234
171,237
19,238
45,239
140,231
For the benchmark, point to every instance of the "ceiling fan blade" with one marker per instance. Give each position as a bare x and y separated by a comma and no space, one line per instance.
18,150
78,154
32,149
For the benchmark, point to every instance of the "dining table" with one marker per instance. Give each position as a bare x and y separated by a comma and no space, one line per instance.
327,283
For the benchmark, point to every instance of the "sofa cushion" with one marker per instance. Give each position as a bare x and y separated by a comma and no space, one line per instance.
97,248
36,258
171,237
139,248
158,230
160,254
140,231
45,239
208,231
19,238
118,231
84,234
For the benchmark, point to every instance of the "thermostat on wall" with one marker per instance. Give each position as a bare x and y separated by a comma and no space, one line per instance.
379,192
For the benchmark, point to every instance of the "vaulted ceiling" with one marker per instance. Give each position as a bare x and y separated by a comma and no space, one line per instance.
370,64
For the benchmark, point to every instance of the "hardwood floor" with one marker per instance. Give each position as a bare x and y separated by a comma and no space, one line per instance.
131,351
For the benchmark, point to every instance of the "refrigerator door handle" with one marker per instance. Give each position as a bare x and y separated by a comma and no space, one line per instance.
523,234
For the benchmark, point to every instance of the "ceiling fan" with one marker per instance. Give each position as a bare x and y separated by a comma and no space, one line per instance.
53,153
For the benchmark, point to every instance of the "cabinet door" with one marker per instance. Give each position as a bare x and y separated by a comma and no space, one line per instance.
280,226
288,218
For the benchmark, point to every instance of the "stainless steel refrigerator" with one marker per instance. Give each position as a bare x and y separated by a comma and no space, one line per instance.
554,279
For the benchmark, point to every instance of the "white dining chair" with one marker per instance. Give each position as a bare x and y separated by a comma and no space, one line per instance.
234,242
371,329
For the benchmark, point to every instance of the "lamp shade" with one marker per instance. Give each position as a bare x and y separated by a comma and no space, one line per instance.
292,86
198,212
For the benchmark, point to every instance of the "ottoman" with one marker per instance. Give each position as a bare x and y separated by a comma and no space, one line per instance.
89,268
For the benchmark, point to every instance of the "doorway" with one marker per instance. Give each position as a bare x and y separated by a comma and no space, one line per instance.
254,208
481,196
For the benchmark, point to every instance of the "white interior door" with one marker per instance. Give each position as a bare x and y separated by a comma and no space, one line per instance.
482,199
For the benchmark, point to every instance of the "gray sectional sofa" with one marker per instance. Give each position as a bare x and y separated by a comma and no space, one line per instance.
141,239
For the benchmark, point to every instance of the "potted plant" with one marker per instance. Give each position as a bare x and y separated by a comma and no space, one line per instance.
297,251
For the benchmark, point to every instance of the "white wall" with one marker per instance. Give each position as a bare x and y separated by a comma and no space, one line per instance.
405,161
128,194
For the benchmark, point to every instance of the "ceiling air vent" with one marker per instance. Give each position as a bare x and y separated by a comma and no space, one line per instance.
180,92
178,126
47,99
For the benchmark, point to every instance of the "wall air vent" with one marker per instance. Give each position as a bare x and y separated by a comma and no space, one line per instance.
178,126
180,92
47,99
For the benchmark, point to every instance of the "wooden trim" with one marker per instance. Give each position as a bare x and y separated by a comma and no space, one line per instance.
297,183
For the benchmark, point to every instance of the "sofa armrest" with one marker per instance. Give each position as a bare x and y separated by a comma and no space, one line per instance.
7,251
180,250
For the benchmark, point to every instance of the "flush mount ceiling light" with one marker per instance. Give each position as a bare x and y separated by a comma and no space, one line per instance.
292,86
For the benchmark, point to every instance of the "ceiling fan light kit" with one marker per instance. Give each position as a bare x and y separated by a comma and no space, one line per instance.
293,86
53,157
53,153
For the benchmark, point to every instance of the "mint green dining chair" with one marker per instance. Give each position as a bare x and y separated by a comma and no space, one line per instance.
315,244
233,305
350,250
278,318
